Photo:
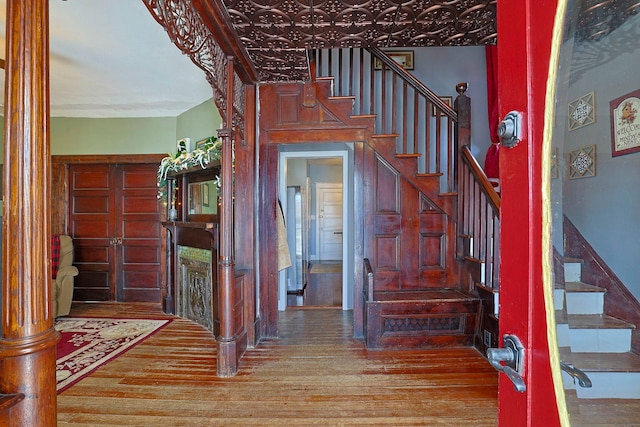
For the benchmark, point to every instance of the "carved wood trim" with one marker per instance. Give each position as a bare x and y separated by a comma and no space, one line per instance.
201,31
107,158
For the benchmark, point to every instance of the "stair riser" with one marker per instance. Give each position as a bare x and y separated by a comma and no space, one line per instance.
600,340
610,385
572,271
563,334
558,299
585,302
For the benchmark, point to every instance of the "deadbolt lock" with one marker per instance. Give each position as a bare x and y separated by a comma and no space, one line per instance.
510,129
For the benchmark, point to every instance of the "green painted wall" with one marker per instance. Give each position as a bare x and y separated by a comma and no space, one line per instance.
198,123
144,135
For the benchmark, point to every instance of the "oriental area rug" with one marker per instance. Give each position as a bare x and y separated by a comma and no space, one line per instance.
89,343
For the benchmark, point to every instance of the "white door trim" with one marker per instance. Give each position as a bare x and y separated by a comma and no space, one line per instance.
347,261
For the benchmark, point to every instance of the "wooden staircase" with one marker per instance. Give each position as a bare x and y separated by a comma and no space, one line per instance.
412,296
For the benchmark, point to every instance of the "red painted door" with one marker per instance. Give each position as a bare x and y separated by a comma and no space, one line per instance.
525,28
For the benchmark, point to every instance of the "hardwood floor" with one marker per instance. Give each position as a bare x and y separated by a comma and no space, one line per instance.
323,287
315,373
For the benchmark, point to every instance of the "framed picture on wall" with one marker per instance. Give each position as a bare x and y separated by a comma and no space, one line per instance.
447,100
404,59
625,124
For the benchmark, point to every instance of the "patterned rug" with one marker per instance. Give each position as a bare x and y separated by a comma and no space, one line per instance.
88,343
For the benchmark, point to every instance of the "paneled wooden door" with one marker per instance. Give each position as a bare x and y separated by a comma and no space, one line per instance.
114,219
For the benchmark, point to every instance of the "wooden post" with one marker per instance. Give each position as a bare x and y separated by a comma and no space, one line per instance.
227,354
28,341
462,106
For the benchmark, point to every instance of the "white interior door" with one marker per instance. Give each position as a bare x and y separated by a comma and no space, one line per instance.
329,220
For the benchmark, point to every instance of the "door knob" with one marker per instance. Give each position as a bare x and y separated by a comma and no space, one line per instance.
512,355
510,129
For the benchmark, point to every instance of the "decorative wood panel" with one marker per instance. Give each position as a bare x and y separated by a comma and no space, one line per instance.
408,243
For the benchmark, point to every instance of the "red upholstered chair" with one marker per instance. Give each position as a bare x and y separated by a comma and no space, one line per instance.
63,278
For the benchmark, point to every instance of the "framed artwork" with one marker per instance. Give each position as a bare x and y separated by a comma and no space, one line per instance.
625,130
404,58
447,100
205,194
200,144
582,162
582,111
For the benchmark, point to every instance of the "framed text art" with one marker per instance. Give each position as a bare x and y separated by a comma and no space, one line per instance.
625,125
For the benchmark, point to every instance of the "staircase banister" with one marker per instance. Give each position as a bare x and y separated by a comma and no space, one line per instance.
481,178
414,82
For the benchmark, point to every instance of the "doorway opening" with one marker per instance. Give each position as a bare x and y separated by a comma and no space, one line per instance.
314,190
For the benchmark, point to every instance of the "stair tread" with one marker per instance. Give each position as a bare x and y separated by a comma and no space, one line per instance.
582,287
595,321
606,362
425,295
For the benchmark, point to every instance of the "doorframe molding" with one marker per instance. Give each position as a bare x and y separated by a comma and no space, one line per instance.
347,247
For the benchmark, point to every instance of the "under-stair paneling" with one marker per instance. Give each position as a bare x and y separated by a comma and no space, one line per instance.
409,234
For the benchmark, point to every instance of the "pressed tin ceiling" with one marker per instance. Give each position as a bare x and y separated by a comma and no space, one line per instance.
277,33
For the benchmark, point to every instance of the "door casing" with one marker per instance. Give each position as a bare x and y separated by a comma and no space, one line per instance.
347,248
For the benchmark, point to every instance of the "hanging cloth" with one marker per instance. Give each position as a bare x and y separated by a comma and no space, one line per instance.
492,158
284,256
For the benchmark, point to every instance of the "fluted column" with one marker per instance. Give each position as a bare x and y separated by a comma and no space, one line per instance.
227,351
27,343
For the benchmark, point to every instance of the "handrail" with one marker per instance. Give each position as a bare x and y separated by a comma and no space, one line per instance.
414,82
485,185
368,288
424,126
583,380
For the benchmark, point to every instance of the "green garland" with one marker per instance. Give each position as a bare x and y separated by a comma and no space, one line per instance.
210,150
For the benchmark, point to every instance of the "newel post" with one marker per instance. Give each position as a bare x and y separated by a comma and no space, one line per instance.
28,339
227,359
462,105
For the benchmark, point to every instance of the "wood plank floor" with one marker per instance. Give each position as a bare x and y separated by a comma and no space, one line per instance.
315,373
